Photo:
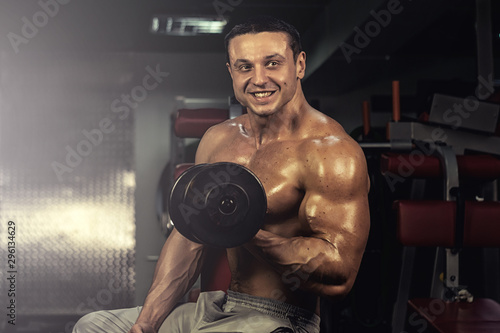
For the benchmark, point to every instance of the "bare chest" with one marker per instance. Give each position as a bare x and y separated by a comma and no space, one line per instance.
278,168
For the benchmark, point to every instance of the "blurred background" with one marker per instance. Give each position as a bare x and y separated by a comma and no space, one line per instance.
88,90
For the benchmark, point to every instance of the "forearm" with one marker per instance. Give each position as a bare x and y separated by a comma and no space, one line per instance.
308,263
177,269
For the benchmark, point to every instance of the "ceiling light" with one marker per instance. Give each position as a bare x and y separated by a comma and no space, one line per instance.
187,26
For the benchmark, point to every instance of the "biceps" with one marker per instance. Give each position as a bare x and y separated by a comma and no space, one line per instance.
340,222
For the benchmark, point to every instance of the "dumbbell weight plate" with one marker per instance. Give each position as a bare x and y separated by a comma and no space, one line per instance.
234,204
220,204
181,214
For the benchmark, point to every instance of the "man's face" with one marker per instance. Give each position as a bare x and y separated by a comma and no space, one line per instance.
265,75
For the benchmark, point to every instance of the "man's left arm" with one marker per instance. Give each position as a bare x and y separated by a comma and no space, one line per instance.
335,206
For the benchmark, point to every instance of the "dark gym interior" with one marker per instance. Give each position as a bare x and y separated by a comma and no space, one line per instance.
88,149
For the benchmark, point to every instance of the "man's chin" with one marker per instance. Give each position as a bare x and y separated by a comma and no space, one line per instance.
262,110
263,113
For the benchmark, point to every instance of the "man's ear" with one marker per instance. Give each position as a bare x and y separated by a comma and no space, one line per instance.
301,65
229,69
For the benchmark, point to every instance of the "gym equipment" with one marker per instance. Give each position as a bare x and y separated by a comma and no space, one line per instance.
192,124
220,204
464,215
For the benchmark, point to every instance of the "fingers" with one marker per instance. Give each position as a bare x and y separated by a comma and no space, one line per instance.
142,328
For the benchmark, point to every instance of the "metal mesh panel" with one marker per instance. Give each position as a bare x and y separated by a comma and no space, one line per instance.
74,223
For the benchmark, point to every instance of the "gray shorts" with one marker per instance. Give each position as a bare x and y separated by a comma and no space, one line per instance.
213,312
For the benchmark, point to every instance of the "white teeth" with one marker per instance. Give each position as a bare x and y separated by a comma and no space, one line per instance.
263,94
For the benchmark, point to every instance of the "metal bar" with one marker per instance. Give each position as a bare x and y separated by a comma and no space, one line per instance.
400,306
451,181
450,170
452,269
458,140
437,289
485,63
375,145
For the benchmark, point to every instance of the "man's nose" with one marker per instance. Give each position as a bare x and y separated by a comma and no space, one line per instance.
260,76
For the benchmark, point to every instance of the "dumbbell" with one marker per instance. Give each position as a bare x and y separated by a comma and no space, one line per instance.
221,204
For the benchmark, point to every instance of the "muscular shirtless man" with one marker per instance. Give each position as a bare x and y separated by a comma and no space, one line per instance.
316,183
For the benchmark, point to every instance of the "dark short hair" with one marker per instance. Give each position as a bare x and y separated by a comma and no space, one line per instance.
258,24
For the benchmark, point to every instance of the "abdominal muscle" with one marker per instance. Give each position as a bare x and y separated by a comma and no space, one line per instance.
255,277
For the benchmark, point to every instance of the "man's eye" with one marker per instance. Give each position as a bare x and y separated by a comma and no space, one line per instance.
245,67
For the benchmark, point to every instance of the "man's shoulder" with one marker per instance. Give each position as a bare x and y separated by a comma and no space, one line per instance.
323,132
330,147
223,128
215,137
221,132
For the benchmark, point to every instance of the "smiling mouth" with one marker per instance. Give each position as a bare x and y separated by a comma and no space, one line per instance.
262,94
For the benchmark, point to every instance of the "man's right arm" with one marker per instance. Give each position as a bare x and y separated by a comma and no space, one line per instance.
179,264
177,269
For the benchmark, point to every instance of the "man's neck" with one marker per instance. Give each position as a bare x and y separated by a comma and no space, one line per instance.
281,125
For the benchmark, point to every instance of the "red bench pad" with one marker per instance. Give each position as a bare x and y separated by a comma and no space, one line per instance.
418,165
480,316
482,224
193,123
426,222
